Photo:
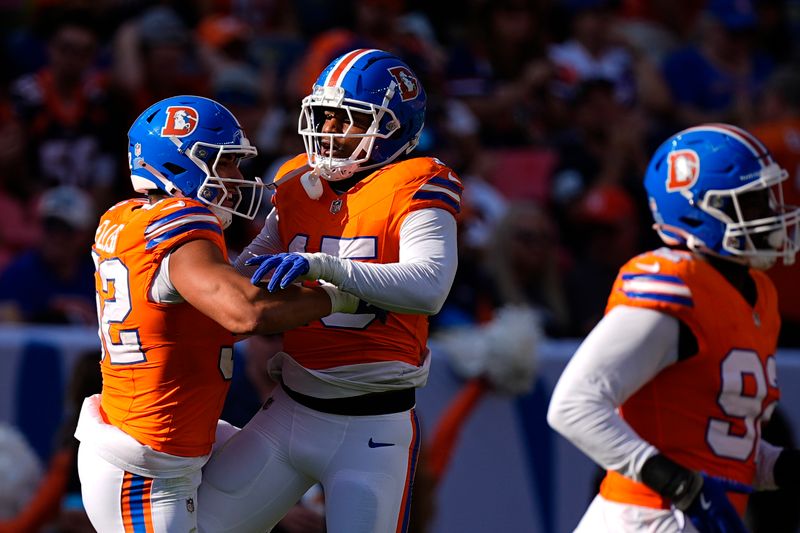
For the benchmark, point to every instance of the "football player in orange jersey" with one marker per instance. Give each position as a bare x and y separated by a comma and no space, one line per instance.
170,306
669,390
353,212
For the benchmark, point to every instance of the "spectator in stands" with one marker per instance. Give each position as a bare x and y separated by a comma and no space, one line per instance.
373,26
155,56
65,110
592,53
604,144
18,228
718,78
500,70
524,263
605,224
223,40
54,281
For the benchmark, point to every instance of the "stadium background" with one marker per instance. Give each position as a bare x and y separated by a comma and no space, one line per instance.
548,110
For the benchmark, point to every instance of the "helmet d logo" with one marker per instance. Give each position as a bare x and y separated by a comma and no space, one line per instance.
181,121
683,169
406,82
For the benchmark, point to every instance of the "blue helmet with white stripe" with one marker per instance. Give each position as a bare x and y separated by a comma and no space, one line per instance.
374,83
716,189
175,146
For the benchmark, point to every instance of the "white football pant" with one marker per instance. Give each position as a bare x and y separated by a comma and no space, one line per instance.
121,502
365,465
604,516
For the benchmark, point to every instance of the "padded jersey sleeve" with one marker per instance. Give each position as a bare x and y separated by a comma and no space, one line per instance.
175,221
662,280
436,186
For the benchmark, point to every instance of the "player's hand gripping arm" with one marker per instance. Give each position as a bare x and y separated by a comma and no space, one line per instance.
418,283
203,278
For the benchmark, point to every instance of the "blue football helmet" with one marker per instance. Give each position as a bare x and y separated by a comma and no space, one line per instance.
715,189
175,145
374,83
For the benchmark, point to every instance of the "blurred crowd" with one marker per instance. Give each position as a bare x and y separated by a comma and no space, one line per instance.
548,109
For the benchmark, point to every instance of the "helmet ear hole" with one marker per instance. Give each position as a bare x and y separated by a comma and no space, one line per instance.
174,169
691,222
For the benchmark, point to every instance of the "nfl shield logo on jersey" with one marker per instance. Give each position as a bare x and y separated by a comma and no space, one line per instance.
181,121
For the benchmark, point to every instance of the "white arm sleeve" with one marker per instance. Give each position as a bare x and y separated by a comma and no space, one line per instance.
418,283
267,241
623,352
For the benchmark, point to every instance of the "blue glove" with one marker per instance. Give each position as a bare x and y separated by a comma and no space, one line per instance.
288,267
711,511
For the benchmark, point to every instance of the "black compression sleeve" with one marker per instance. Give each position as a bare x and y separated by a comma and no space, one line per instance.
671,480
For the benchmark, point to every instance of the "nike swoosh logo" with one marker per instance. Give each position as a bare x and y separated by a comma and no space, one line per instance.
704,504
649,267
373,444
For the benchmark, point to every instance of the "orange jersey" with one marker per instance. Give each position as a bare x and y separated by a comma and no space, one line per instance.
166,366
703,412
362,224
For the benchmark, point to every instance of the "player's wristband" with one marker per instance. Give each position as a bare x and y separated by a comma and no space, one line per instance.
671,480
787,469
341,301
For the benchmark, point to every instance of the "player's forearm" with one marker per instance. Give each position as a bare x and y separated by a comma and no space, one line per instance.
289,309
416,288
592,424
244,309
624,351
420,282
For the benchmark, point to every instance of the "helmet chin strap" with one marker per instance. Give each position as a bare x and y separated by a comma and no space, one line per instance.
225,217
